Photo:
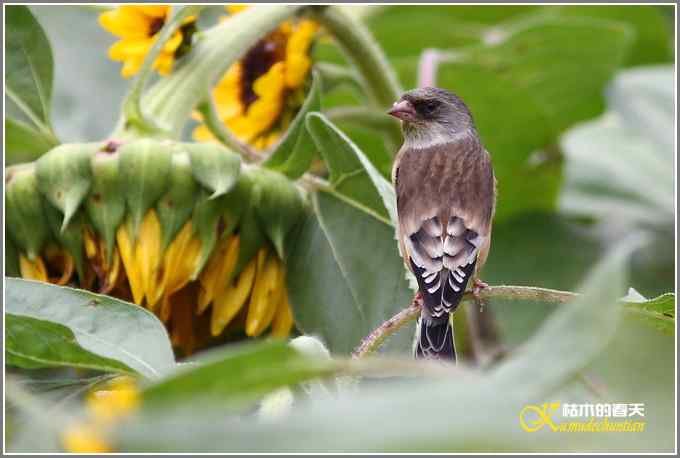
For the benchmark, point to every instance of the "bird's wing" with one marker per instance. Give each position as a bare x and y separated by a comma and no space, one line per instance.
445,199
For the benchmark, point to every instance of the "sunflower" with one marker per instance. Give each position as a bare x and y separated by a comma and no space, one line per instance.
105,406
200,305
259,95
138,26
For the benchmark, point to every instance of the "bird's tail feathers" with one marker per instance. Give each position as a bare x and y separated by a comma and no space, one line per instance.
434,340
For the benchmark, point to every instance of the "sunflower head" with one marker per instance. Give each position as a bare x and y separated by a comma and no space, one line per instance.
260,94
137,27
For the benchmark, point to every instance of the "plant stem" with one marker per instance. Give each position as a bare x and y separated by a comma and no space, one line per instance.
363,51
132,106
375,339
221,133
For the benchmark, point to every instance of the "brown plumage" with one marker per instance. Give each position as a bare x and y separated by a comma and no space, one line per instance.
445,202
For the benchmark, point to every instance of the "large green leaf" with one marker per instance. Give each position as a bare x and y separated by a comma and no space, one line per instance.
620,167
345,276
470,412
348,176
658,312
23,143
653,36
31,343
28,74
237,373
102,325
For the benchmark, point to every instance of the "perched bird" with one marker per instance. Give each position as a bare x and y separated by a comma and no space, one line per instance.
446,195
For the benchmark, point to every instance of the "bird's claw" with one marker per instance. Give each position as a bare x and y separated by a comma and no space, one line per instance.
477,287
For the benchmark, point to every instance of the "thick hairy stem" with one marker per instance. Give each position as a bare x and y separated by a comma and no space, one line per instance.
374,340
363,51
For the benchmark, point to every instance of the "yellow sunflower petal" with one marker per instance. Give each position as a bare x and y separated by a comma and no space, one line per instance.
32,270
202,134
235,9
108,405
125,22
148,255
84,438
164,63
263,301
180,260
173,43
127,255
232,299
154,11
131,67
283,320
130,48
298,62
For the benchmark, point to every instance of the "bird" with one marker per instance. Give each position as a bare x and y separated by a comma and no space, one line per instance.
446,198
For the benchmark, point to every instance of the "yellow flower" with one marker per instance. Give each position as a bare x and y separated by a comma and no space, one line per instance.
258,96
105,407
137,26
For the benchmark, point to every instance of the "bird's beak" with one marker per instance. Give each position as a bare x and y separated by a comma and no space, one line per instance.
403,110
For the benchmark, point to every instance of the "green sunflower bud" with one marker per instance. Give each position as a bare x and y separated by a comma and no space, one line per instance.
214,166
105,205
24,210
70,237
64,176
278,206
176,206
145,170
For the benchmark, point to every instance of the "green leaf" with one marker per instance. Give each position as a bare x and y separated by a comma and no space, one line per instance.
102,325
347,173
237,373
620,166
658,312
23,143
295,152
577,331
344,274
28,83
653,36
31,343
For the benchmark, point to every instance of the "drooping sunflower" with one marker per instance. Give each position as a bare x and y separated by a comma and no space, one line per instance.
138,26
204,275
259,95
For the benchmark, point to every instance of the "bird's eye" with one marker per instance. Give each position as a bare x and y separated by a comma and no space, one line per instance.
430,106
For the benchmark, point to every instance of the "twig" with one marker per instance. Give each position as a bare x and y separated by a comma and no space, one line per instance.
374,340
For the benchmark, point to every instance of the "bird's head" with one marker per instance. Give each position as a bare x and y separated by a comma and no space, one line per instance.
431,112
